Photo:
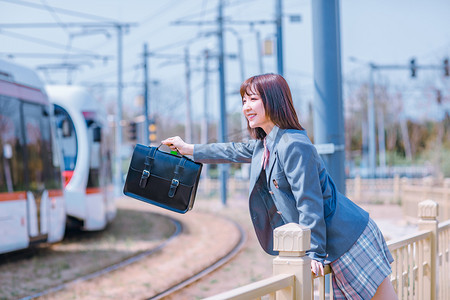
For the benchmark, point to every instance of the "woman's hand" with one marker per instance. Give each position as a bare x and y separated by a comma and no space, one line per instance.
316,267
177,144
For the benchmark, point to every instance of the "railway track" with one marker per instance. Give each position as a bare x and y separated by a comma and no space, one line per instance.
207,270
86,280
179,229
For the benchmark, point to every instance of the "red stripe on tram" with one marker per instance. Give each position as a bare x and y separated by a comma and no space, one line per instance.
93,190
55,193
14,196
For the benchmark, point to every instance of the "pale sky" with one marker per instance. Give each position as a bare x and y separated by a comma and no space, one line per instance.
379,31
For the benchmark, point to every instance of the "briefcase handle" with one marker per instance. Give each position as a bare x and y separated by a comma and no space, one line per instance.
178,154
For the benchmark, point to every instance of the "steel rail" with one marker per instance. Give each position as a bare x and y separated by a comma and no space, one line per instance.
126,262
220,262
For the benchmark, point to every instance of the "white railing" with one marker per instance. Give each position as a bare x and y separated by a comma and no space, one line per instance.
319,284
261,288
444,259
421,268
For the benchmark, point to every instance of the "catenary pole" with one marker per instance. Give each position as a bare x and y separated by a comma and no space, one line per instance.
204,135
259,49
205,123
381,140
118,161
371,122
223,110
328,108
279,29
188,126
146,98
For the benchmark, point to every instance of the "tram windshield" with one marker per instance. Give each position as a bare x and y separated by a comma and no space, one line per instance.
67,138
26,144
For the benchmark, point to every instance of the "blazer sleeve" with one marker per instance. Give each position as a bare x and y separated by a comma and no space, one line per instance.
224,152
300,162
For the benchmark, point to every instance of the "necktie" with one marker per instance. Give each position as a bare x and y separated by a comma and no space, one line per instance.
266,155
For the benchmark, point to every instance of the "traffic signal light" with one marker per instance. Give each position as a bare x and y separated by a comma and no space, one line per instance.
438,96
152,131
446,68
132,131
268,47
413,67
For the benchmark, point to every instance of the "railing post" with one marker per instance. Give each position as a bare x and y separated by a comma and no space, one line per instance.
428,212
292,241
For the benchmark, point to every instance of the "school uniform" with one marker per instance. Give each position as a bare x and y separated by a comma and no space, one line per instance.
294,187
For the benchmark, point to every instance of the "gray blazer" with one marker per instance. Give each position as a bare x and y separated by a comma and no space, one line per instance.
300,187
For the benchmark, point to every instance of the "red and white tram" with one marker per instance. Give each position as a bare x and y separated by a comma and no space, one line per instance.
85,142
32,206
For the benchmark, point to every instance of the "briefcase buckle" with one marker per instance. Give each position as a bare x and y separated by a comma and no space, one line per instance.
144,177
173,187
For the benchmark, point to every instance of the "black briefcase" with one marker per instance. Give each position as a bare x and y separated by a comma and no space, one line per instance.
163,179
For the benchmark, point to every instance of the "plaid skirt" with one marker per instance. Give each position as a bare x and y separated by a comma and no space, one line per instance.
358,272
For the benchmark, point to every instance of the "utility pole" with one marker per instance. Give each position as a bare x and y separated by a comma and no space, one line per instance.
371,122
328,107
259,49
119,138
241,62
204,135
205,123
381,140
223,110
242,73
146,95
279,29
188,127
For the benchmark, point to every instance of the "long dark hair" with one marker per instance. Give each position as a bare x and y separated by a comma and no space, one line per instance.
277,100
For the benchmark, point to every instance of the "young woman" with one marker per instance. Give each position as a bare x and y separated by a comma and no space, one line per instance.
289,183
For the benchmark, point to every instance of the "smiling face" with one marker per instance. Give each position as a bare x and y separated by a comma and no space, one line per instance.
253,109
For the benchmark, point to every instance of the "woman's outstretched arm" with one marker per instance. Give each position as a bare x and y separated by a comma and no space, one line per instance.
215,152
177,144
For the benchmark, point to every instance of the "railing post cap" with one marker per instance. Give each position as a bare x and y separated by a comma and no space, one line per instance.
428,209
291,237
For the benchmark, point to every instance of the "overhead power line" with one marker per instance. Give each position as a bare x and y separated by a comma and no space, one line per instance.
43,42
159,12
56,55
68,24
60,10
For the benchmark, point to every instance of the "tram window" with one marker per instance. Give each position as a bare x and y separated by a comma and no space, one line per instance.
52,175
41,171
97,134
11,146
